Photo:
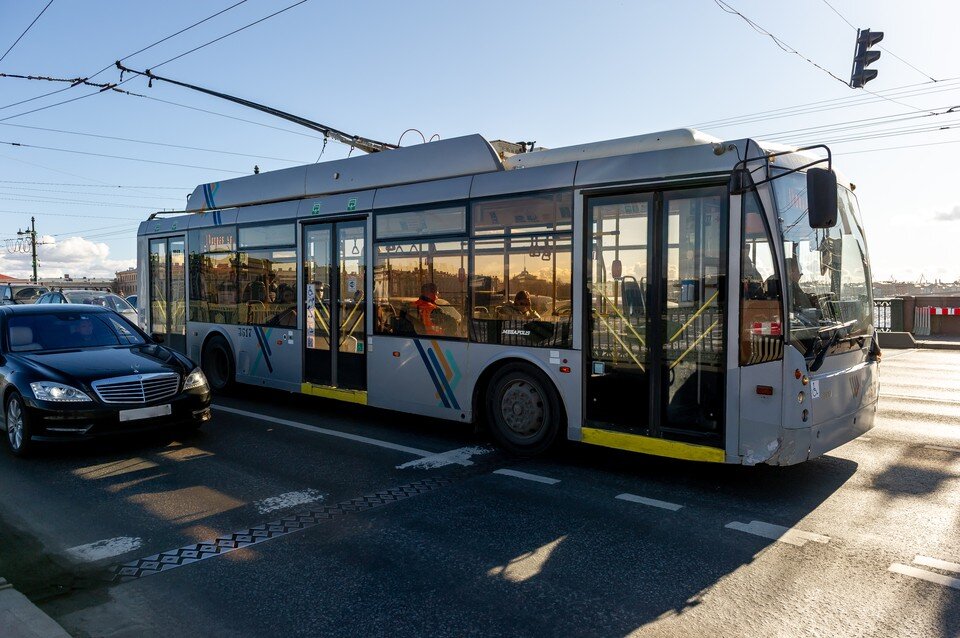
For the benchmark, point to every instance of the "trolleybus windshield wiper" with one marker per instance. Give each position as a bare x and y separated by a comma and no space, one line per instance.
822,344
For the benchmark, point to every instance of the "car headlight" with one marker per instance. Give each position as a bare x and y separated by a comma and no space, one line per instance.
195,379
49,391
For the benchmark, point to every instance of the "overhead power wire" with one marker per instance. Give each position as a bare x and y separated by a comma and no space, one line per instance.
63,200
778,41
227,35
4,188
789,49
882,48
353,141
30,26
83,215
146,48
121,157
177,188
895,148
151,143
908,90
838,127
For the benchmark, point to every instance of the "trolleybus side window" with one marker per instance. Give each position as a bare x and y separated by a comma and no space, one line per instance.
213,275
420,286
520,282
761,323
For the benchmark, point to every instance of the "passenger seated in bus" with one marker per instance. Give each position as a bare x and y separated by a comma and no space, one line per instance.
428,315
521,308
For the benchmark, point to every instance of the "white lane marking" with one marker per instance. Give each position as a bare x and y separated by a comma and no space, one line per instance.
643,500
459,456
778,533
319,430
922,574
940,447
288,499
105,548
528,477
936,563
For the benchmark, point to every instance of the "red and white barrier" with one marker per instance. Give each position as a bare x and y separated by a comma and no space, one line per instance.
944,312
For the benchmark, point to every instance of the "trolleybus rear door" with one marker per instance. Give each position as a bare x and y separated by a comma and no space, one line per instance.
335,304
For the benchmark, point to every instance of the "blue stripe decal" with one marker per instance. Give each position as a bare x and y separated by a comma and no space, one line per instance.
266,340
263,348
206,195
433,375
443,378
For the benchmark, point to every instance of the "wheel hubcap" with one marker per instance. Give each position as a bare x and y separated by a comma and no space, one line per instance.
522,408
15,425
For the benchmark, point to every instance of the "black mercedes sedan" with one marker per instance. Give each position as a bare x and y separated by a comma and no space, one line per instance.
77,372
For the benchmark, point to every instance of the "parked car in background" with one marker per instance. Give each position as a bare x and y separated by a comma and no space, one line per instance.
72,371
102,298
20,293
132,300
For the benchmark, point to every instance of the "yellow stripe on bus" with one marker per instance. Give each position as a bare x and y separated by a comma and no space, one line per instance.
340,394
650,445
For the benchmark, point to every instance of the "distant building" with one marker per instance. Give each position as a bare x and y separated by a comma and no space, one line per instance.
71,283
127,282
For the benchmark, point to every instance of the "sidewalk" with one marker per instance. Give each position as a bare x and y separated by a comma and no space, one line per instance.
940,342
20,618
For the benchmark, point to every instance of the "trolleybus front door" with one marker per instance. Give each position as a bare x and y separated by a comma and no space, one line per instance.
655,313
335,304
168,292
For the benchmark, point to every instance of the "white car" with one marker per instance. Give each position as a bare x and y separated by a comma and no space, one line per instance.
102,298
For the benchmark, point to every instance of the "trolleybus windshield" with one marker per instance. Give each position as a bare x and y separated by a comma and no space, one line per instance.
827,275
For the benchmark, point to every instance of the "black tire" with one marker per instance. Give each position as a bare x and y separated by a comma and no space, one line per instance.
217,363
18,431
523,410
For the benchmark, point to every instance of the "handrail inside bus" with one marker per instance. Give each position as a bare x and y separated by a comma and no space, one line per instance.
625,320
695,315
693,345
621,342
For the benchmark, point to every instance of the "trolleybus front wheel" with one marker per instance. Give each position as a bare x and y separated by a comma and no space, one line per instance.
524,410
217,363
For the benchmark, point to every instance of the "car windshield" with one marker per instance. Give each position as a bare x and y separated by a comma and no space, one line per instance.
828,284
68,331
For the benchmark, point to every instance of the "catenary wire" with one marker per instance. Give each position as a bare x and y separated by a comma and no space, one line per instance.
882,48
121,157
30,26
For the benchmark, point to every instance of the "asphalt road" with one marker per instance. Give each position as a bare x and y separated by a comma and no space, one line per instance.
330,520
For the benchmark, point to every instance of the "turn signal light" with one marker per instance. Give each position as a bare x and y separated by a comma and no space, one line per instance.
565,369
765,390
396,353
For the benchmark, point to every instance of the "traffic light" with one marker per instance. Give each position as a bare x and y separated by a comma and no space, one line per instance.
864,56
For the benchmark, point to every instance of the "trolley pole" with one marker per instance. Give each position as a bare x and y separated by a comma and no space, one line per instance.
33,244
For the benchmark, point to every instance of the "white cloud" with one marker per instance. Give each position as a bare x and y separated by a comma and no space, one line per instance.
75,256
953,215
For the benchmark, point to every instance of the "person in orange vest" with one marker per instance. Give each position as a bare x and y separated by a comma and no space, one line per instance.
426,305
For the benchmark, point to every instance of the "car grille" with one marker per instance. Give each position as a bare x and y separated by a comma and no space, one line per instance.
141,388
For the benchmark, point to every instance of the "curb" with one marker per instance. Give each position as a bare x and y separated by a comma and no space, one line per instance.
20,618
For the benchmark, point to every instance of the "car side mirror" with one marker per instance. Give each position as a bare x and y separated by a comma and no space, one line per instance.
158,337
822,197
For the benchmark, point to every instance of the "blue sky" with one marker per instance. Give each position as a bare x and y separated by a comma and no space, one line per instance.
559,73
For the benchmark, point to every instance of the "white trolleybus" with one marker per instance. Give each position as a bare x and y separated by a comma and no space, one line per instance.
670,294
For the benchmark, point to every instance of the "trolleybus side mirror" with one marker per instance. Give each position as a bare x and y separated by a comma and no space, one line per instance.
616,269
822,197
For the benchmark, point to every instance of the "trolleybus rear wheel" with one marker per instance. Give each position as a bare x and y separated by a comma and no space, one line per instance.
524,410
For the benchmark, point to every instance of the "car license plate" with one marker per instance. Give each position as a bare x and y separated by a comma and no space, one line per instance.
145,413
